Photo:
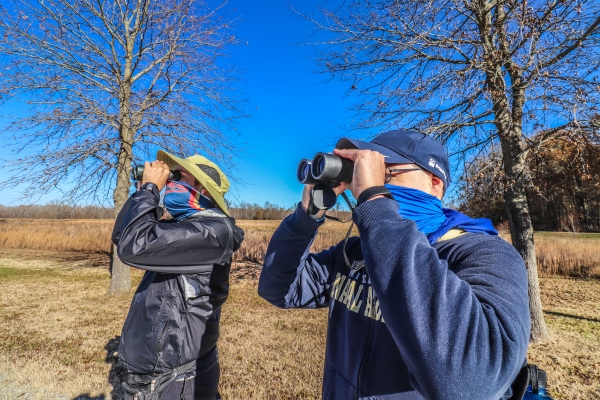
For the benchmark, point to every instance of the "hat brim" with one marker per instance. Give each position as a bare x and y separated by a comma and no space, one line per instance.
391,157
174,161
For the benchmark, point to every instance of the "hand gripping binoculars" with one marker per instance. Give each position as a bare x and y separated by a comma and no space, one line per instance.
325,171
137,173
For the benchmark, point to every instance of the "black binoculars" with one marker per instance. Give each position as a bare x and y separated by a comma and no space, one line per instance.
325,171
325,168
137,173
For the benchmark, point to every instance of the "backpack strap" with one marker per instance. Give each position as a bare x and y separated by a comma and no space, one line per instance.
533,377
519,385
451,234
530,374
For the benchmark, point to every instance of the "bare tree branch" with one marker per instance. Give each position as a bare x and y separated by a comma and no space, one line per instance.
107,82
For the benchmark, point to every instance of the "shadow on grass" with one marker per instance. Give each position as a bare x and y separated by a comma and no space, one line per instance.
116,374
245,271
558,314
88,397
92,258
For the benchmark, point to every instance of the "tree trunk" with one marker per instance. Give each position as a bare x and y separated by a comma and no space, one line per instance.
120,282
120,279
508,114
521,229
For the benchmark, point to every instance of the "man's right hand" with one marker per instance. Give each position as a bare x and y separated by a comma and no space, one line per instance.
156,172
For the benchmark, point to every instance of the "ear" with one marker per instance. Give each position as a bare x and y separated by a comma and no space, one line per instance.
204,192
437,187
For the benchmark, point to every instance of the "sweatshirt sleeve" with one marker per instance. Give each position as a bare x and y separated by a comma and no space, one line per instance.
461,333
145,242
292,277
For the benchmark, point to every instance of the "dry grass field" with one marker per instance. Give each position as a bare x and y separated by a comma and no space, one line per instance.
565,254
58,329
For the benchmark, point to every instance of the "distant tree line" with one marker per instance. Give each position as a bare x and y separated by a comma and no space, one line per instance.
56,210
271,211
563,185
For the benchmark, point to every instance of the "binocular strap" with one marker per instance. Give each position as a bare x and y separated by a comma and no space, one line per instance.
354,266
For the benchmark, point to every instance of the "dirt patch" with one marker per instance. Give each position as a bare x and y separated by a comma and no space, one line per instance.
245,272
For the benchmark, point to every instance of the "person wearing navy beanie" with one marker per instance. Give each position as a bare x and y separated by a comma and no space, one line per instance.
427,303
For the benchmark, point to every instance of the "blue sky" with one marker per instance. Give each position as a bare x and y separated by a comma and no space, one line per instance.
295,115
296,112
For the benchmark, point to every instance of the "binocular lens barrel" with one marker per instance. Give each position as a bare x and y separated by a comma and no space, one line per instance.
325,171
304,173
137,173
329,167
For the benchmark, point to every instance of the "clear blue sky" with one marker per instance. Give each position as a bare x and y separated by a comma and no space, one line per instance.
295,114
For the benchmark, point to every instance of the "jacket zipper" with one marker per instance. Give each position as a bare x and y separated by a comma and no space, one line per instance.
168,304
160,341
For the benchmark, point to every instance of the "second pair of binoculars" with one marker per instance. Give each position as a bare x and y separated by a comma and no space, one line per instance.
137,174
325,171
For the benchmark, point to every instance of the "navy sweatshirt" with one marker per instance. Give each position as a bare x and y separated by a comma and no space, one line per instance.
414,321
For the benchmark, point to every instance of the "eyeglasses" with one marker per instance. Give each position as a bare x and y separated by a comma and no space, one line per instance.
389,171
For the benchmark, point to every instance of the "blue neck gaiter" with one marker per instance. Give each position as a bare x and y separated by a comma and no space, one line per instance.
418,206
182,200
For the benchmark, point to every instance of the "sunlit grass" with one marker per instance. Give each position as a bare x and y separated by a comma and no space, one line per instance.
57,325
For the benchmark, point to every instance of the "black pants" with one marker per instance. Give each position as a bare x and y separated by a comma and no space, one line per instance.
195,385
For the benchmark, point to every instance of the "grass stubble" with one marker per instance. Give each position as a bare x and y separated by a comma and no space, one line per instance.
56,321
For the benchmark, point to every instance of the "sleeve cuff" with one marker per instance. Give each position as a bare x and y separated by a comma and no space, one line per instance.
374,211
302,223
154,193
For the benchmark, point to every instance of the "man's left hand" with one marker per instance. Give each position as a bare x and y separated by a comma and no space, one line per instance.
369,169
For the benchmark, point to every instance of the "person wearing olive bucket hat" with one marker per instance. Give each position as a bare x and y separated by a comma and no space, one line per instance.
205,172
169,339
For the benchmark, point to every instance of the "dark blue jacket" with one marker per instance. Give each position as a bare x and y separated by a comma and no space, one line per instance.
448,321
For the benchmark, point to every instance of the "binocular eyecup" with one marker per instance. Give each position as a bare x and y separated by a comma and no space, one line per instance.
137,173
325,171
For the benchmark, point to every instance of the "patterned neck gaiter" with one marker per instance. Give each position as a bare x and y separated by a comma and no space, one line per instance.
182,200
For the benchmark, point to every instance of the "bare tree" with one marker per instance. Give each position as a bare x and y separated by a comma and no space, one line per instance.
562,185
102,84
472,73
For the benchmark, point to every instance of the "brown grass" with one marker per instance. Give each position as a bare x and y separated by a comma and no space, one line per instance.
258,235
563,254
58,330
94,235
569,254
566,254
571,356
56,234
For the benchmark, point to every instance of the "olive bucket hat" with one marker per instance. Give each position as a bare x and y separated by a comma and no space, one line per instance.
205,171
